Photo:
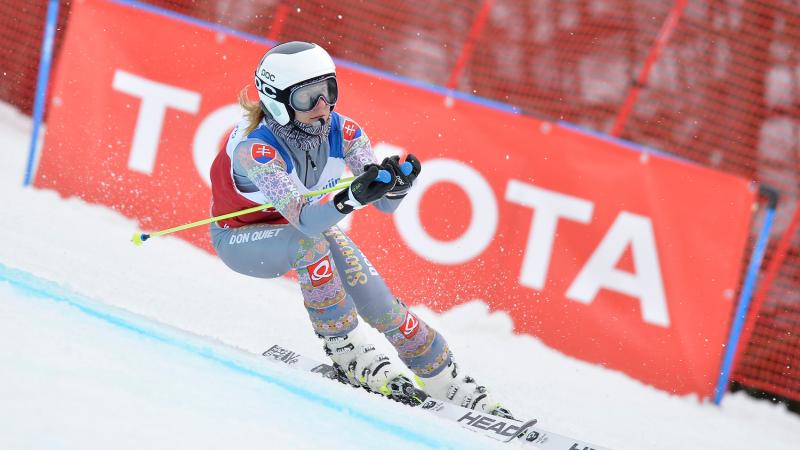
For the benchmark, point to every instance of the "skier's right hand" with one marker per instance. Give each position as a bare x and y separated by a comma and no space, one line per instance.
405,173
365,189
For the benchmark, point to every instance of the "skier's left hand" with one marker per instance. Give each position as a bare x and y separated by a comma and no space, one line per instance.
404,178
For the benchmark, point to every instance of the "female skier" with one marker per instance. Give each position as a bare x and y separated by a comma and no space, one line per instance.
290,143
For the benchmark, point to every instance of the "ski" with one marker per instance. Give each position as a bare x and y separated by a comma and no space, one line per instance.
494,427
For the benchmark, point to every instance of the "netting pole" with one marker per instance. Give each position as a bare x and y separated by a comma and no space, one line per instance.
663,38
746,294
469,44
45,61
778,257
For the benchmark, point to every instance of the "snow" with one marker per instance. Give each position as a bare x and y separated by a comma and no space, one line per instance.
73,380
87,376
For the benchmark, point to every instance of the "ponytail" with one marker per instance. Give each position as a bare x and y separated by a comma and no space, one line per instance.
252,111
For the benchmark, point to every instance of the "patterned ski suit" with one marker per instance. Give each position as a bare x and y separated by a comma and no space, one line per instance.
337,281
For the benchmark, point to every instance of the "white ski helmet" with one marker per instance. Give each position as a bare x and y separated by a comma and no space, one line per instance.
292,77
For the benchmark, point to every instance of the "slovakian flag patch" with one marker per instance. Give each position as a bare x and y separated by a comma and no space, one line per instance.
350,130
262,153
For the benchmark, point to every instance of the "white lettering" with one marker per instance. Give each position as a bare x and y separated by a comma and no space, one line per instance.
239,238
645,283
155,99
264,234
370,267
549,206
208,136
482,225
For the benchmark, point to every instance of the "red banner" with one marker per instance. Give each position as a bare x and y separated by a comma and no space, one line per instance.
615,256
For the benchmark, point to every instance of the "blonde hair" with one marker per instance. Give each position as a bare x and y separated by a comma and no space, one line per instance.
252,111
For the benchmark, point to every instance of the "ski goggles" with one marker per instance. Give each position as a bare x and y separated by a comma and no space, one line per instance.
304,97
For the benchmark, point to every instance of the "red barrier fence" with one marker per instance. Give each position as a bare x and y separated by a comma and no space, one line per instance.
722,92
633,266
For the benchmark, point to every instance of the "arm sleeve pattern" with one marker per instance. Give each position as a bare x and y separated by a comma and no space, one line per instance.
274,182
358,154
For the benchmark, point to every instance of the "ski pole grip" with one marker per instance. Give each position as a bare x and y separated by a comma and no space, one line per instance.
383,176
406,168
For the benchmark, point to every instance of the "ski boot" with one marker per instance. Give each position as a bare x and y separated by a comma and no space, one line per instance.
358,364
460,389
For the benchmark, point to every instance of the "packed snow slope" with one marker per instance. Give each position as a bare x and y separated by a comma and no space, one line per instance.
89,376
72,380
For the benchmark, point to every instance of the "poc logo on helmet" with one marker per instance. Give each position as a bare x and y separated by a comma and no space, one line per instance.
267,76
265,88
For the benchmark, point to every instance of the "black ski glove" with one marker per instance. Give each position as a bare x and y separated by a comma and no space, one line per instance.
371,185
405,174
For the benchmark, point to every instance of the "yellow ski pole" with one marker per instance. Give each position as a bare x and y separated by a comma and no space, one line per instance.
139,237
